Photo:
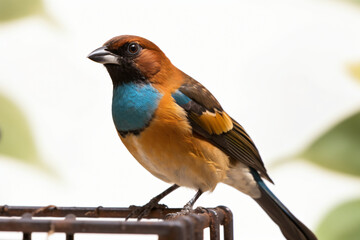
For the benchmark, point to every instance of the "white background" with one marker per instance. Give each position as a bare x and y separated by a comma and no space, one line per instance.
278,67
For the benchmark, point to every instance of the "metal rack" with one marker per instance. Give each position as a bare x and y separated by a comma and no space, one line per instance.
72,220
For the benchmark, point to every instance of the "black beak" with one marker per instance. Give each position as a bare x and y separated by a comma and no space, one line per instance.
103,56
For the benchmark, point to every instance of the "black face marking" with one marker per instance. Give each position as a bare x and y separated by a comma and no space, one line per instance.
126,71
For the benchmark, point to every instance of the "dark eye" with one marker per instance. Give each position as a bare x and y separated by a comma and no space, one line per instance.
133,48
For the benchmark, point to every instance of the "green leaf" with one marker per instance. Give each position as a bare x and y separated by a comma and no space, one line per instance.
357,2
338,149
16,139
14,9
342,223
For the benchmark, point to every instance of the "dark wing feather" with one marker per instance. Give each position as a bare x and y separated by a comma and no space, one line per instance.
209,121
197,92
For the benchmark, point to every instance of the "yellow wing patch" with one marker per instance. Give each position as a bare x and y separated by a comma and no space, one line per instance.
213,123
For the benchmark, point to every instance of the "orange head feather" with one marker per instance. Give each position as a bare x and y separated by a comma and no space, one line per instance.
132,58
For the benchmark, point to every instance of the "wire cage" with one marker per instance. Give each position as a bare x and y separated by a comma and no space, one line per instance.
72,220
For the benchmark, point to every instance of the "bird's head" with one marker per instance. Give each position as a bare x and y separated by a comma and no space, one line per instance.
131,58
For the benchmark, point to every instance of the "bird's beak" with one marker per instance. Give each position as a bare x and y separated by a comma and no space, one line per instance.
103,56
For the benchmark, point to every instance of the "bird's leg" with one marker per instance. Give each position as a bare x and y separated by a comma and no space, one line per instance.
188,206
187,209
143,211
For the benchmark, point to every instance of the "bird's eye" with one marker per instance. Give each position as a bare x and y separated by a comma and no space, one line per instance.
133,48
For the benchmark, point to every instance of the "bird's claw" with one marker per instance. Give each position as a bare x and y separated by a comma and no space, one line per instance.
183,212
142,211
187,209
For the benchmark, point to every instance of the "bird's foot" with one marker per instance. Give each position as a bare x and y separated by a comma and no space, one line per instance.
187,209
183,212
142,211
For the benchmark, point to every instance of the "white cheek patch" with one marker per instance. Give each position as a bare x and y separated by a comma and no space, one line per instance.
240,178
109,59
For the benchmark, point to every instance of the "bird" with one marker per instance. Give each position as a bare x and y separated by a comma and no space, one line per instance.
177,130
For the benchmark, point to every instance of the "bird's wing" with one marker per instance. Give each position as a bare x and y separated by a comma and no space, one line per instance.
209,121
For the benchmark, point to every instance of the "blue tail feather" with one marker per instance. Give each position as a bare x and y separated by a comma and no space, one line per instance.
289,225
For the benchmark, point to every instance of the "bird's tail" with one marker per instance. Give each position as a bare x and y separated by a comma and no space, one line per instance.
289,225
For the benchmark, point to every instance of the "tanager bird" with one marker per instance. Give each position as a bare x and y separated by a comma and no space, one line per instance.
178,131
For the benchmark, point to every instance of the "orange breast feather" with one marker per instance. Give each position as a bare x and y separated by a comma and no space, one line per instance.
168,149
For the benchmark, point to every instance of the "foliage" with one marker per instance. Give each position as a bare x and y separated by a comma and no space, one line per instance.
15,9
16,139
339,148
342,223
354,70
357,2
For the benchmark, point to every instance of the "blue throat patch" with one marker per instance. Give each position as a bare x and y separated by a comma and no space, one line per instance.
134,105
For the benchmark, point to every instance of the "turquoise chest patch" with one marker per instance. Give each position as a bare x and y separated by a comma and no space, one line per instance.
134,105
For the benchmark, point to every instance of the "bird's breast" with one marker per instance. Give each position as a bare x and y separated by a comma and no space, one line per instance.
168,149
134,105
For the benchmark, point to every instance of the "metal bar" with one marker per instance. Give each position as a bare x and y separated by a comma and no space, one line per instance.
26,236
190,227
227,223
180,227
35,225
69,237
214,224
53,211
176,232
201,221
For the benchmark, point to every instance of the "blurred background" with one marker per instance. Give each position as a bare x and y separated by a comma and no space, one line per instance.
288,71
